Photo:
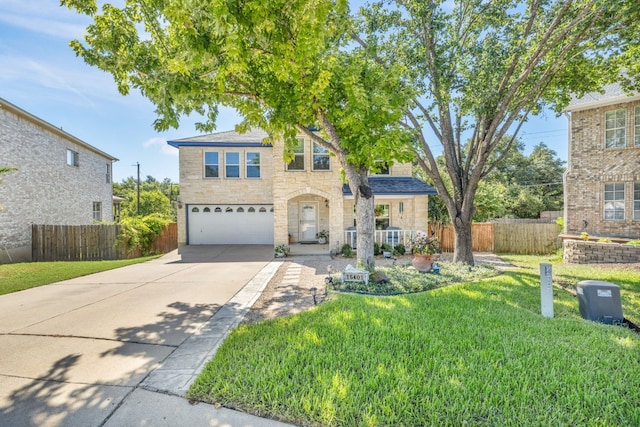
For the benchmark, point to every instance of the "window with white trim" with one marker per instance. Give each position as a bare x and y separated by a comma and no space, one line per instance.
297,164
73,158
232,164
615,131
636,201
252,164
381,213
614,201
321,160
211,164
636,127
97,211
383,168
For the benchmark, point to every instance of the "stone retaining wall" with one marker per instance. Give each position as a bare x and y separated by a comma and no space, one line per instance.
583,252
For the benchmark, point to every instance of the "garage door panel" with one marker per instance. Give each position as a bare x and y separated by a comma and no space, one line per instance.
230,224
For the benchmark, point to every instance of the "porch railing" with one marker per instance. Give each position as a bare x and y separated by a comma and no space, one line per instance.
390,237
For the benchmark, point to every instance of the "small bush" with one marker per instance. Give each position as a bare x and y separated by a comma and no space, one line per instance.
604,240
376,248
140,232
633,242
386,247
346,251
584,236
400,249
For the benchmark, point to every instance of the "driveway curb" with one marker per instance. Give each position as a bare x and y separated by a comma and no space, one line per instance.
178,371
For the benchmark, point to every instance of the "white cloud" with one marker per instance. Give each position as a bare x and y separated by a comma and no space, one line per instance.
45,17
161,143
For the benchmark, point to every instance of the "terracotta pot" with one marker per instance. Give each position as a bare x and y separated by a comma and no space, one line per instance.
422,262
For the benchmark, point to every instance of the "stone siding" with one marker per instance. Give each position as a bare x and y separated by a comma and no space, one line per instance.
591,166
45,190
196,189
583,252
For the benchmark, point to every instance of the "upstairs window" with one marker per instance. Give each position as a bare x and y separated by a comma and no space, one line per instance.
73,159
211,164
108,175
321,161
615,132
383,168
297,164
614,202
253,165
637,126
232,164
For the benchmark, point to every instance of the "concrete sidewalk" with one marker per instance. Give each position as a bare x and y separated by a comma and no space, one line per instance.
121,347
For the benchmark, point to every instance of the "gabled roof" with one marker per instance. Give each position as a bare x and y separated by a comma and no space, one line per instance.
612,94
394,185
252,138
6,105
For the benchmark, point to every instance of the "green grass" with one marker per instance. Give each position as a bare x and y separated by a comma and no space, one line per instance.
568,275
20,276
468,354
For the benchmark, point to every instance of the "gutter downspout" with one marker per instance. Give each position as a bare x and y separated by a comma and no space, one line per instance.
566,172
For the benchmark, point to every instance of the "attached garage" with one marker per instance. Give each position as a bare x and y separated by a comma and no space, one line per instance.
230,224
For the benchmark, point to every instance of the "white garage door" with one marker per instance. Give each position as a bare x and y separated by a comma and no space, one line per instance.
230,224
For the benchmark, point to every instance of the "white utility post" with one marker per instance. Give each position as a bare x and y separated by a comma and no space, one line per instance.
546,290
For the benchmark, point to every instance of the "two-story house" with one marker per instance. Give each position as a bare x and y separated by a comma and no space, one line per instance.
602,181
236,190
59,180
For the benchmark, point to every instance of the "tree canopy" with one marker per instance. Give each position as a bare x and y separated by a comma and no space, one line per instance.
285,65
484,67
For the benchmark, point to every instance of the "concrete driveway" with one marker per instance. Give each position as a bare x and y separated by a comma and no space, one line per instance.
71,352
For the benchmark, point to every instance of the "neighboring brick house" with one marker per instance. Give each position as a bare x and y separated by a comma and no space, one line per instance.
60,180
602,181
235,190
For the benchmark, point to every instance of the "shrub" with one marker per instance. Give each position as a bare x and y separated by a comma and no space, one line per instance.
346,250
138,233
399,249
633,242
604,240
584,235
376,248
386,247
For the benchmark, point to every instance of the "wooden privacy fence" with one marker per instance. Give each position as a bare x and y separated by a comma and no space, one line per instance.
90,242
513,238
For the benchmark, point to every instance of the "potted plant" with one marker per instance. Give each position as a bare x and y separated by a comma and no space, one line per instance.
322,236
282,251
423,249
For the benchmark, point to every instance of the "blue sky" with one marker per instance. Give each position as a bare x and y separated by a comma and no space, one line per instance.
41,74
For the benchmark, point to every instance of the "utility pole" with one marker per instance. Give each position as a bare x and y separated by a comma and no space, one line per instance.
138,165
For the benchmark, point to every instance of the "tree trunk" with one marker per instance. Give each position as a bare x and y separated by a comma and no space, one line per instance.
365,229
463,251
358,181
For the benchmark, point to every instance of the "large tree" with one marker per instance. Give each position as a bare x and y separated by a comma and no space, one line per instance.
284,65
484,67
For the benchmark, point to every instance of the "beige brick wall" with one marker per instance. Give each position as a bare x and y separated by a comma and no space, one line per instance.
592,166
45,190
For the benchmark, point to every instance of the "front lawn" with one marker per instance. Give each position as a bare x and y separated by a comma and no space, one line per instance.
20,276
468,354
